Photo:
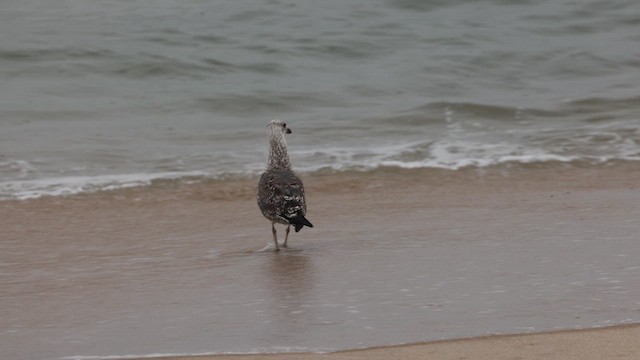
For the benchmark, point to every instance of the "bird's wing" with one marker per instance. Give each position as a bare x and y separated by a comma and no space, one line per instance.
282,192
292,194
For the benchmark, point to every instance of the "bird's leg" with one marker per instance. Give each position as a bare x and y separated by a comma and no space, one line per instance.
275,236
286,236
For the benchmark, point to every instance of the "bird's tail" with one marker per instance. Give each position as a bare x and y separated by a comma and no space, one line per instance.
298,221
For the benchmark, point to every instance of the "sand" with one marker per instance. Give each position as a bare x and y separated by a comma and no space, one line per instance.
620,342
395,257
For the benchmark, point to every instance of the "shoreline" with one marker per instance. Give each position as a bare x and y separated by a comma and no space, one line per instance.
606,342
330,181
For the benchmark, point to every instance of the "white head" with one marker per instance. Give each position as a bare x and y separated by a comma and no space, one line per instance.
278,157
276,128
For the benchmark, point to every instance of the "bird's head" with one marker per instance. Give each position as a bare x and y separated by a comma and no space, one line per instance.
277,127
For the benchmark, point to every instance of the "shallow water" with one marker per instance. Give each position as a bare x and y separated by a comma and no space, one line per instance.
102,94
111,276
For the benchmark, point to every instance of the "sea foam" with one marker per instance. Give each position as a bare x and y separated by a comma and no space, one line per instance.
30,189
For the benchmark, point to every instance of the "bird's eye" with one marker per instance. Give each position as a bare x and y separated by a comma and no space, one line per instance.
284,125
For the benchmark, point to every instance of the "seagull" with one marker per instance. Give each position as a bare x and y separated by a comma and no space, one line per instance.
280,192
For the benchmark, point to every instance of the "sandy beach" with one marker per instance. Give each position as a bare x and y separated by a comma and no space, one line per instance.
395,257
620,342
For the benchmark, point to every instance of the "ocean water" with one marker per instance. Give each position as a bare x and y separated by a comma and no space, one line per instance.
104,94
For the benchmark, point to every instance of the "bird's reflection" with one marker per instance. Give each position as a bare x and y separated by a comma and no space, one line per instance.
291,283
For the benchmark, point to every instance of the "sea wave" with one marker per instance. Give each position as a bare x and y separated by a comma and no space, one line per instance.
20,168
30,189
447,155
456,144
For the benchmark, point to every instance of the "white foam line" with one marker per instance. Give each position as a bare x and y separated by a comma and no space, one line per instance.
143,356
448,153
30,189
277,350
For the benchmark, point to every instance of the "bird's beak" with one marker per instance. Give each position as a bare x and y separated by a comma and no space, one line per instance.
288,131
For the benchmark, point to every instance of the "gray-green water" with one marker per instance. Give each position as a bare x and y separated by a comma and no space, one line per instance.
105,94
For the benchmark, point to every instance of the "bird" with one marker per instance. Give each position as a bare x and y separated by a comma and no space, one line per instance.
280,192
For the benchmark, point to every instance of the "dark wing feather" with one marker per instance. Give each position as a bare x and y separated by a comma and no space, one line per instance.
281,198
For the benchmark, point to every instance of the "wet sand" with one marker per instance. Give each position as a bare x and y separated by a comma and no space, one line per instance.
619,342
395,257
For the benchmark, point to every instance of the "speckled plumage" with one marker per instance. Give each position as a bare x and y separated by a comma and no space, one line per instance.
280,192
